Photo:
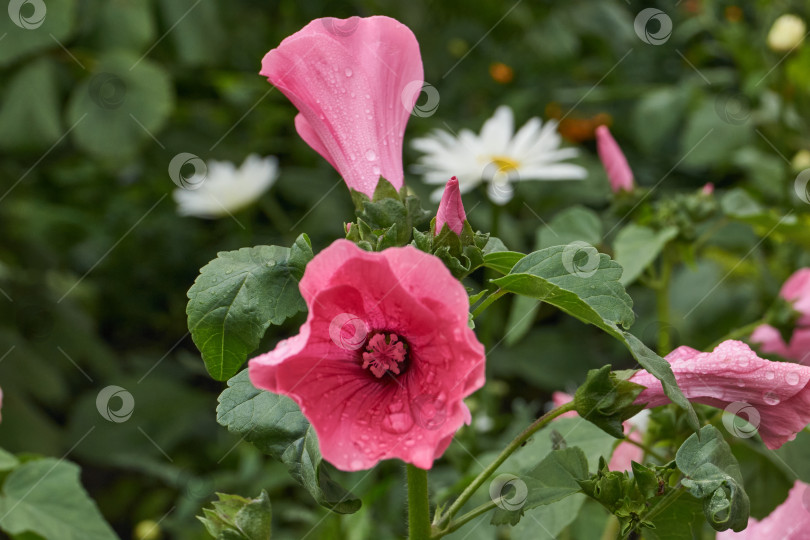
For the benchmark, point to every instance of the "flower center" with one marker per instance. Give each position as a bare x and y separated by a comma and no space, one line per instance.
384,354
505,164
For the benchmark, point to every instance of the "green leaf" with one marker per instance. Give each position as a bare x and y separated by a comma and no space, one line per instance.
708,139
636,247
126,24
8,461
607,401
657,115
740,206
678,516
276,426
125,102
31,100
590,291
238,295
556,477
713,475
39,28
554,517
502,261
572,224
238,518
199,41
45,497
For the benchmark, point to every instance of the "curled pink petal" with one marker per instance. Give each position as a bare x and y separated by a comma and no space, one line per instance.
789,521
384,360
797,290
770,342
451,209
354,83
734,375
616,167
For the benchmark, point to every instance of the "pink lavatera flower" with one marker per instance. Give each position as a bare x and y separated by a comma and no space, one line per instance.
796,290
354,83
734,374
789,521
384,360
451,209
625,452
612,157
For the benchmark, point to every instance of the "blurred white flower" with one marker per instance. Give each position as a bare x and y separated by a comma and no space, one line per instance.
498,156
787,33
226,189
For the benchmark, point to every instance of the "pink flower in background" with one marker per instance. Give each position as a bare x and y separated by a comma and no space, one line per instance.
354,84
707,189
616,167
384,360
625,452
796,290
789,521
451,209
775,392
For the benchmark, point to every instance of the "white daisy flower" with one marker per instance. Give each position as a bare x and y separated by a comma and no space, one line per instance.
225,189
498,156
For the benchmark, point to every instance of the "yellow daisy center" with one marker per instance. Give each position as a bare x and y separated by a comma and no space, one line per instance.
505,164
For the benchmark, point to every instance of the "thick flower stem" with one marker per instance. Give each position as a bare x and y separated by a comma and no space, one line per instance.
662,303
418,504
516,443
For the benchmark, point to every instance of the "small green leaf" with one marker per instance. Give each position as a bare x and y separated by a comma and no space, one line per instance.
31,100
713,475
8,461
556,477
607,401
238,518
45,497
502,261
577,223
637,247
276,426
28,27
238,295
590,291
740,206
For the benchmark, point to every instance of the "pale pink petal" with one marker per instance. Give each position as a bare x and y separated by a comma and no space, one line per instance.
734,373
451,209
616,167
707,188
359,418
626,452
354,90
770,342
561,398
797,290
789,521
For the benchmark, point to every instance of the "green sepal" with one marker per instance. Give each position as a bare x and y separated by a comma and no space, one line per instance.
607,400
237,518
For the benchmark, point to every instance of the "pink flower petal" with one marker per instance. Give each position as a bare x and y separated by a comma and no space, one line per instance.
616,167
451,209
361,419
770,342
797,290
734,373
789,521
354,86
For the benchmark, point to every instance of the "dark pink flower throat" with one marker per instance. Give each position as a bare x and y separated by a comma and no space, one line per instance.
383,355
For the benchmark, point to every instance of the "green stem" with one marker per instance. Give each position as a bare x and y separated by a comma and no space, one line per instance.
418,504
742,332
516,443
487,302
662,304
456,524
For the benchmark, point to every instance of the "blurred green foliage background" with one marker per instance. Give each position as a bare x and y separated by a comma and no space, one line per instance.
95,261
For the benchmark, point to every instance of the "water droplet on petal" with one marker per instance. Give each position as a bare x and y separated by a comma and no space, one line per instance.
770,375
397,422
792,378
371,155
375,170
357,464
348,72
771,398
395,406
